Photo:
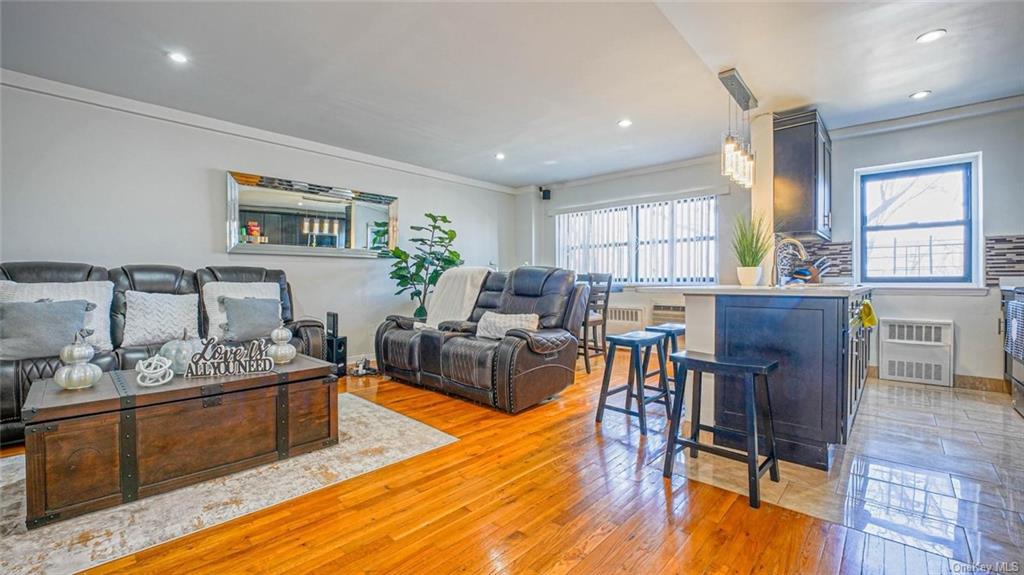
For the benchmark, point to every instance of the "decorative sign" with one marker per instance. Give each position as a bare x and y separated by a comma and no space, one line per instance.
218,360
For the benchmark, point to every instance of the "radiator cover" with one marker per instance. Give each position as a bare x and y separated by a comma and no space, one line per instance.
918,351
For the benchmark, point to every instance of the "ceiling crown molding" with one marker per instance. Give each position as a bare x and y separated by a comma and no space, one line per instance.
35,84
700,160
936,117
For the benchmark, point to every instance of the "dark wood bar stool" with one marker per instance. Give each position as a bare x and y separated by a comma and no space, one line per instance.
755,376
637,342
671,342
592,344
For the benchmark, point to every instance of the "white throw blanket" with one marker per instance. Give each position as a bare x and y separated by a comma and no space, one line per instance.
454,296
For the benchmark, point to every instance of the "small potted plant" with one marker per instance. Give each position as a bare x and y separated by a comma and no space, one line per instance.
750,242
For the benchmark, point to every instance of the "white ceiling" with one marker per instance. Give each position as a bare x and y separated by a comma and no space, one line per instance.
446,86
858,62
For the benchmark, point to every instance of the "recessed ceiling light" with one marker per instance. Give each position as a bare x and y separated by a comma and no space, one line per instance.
299,204
499,156
931,36
625,123
550,162
178,57
920,95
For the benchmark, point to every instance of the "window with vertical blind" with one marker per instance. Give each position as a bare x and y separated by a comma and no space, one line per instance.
658,243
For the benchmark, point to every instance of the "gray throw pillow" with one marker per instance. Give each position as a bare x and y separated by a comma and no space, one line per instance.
250,318
39,329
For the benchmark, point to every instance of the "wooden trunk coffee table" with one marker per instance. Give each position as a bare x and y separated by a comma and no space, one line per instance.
117,442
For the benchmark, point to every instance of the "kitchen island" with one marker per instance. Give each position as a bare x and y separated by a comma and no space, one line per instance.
815,334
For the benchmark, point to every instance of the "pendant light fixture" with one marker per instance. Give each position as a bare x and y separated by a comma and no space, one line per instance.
737,153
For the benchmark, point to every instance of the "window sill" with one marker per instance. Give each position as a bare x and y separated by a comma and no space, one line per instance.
936,290
641,288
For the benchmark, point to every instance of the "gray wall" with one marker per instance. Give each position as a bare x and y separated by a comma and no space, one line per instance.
83,182
1000,138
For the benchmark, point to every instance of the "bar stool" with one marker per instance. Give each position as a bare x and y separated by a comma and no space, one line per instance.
636,341
755,376
671,331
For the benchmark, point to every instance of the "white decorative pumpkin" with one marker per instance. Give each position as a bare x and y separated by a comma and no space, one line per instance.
77,372
180,352
282,351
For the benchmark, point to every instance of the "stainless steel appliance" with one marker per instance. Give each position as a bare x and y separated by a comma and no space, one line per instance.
1014,346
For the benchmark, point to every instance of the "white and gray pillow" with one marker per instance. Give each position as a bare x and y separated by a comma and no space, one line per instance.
494,325
152,318
39,329
250,318
99,293
215,313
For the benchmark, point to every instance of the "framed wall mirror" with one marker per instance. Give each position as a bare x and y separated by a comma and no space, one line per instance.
276,216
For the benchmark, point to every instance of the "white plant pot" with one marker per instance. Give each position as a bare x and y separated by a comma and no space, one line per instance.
749,276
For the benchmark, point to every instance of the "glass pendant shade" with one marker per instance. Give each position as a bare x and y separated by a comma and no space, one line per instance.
728,151
737,160
335,226
305,225
737,152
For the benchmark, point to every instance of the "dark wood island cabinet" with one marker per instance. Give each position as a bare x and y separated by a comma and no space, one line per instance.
822,351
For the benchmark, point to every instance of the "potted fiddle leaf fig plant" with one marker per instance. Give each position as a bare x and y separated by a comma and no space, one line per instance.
750,242
417,271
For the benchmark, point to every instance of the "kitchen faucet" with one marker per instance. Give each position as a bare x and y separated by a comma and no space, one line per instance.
780,247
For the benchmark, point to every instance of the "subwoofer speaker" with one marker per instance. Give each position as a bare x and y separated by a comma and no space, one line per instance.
337,353
337,346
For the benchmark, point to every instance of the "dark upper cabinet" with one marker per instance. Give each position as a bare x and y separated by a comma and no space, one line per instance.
803,176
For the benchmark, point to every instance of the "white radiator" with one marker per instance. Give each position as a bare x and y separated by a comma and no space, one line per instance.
919,351
623,319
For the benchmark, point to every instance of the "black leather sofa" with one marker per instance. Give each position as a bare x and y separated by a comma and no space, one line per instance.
17,376
511,374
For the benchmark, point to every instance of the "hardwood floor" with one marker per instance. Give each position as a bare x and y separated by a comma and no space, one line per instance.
546,491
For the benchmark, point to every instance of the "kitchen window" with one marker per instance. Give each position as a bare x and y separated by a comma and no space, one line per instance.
669,242
917,223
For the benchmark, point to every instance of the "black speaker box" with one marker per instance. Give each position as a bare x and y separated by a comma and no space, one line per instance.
337,352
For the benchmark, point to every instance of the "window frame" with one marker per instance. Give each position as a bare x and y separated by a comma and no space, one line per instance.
633,241
972,223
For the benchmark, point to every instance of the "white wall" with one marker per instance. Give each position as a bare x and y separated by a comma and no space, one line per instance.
701,175
1000,138
98,184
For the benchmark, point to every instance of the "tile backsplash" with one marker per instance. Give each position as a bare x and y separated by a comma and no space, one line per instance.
839,253
1004,257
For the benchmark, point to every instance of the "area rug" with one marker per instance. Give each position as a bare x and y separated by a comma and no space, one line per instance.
370,437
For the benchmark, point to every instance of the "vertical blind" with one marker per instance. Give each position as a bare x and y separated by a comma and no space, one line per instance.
667,242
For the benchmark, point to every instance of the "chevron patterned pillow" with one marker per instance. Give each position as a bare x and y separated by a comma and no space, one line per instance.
153,318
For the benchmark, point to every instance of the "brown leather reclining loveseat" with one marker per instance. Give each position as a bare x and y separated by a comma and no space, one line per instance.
513,373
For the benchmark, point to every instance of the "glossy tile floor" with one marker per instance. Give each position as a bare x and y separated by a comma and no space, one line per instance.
938,469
